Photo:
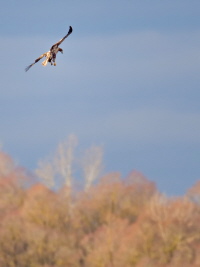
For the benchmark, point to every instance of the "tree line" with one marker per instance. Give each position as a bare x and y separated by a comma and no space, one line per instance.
114,222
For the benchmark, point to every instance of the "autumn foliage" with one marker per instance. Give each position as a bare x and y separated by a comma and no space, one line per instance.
117,222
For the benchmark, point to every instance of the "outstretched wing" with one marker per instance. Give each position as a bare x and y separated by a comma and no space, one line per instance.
59,42
28,67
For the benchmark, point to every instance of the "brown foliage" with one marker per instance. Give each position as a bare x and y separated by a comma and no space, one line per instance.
117,222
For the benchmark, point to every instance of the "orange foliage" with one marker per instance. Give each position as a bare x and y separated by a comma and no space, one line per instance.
117,222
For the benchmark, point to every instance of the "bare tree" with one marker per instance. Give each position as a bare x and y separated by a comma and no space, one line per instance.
92,165
46,173
60,165
63,160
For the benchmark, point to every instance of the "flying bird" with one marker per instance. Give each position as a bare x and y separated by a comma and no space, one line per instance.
51,54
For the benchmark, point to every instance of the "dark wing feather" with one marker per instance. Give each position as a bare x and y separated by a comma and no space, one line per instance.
28,67
59,42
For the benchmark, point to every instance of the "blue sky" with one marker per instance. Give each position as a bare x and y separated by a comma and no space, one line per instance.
128,80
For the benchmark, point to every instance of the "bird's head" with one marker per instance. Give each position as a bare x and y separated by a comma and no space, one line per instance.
61,50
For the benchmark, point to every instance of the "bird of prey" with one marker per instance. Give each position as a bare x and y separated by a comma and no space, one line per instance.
51,54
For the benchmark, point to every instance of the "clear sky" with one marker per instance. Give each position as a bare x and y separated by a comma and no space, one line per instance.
128,80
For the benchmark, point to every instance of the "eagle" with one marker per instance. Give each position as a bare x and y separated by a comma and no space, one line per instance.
51,54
